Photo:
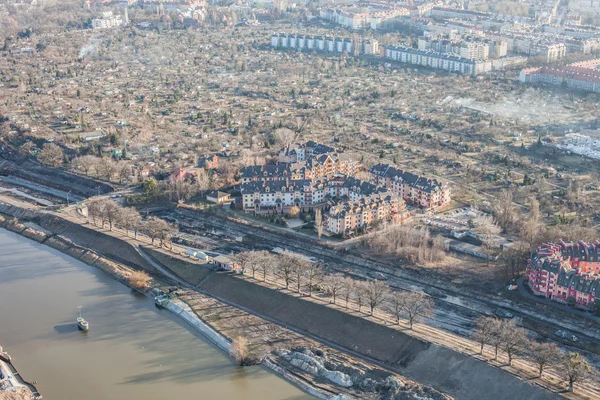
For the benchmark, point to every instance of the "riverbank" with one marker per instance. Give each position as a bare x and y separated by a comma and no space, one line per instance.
121,273
12,384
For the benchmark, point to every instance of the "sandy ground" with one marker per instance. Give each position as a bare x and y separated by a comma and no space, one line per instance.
20,393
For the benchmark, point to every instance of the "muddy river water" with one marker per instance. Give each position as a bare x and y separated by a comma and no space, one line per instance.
132,351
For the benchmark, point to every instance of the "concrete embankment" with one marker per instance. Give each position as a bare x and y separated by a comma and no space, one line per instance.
63,230
446,370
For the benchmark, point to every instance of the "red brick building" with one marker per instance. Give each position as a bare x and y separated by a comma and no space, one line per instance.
566,272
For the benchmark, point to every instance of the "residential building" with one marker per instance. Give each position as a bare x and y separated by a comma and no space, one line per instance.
209,162
351,46
354,215
219,197
566,272
367,16
352,204
108,20
184,174
581,76
436,60
424,192
309,161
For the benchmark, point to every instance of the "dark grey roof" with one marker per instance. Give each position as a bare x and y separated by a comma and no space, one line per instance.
389,172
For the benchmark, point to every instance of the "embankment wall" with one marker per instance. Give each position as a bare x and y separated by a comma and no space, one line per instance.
448,371
103,244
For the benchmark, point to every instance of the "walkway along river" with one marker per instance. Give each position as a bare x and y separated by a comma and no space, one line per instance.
132,351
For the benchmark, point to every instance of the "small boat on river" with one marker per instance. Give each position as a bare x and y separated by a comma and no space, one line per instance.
82,323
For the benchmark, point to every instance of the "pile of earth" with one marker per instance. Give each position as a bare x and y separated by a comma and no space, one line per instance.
356,377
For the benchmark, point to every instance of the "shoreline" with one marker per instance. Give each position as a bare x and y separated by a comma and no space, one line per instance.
15,380
176,307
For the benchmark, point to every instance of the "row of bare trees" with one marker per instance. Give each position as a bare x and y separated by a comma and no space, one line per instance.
106,211
103,167
504,335
300,275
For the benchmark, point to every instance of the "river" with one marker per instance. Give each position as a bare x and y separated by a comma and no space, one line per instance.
132,351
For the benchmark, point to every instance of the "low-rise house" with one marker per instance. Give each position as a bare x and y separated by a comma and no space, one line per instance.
209,162
225,263
219,197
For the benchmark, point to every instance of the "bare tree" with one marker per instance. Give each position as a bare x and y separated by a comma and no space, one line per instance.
111,210
155,228
319,222
251,260
239,350
285,137
107,167
313,272
514,340
544,355
484,331
129,219
51,155
243,259
575,369
359,294
96,211
286,268
84,164
348,287
265,264
496,340
301,267
123,171
416,305
504,209
376,293
395,302
334,284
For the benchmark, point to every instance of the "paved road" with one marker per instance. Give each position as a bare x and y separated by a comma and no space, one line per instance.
524,291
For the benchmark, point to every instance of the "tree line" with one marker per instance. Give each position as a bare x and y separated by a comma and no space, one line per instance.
107,212
504,336
301,275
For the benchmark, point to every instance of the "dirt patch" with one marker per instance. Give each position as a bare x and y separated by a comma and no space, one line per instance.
20,393
444,369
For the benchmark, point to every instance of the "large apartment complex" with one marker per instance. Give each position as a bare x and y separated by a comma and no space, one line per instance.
351,46
566,272
316,176
424,192
437,60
